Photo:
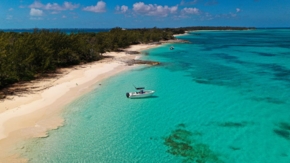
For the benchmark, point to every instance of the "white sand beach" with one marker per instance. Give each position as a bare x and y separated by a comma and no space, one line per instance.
33,114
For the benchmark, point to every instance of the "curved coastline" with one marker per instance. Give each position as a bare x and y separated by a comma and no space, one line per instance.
34,114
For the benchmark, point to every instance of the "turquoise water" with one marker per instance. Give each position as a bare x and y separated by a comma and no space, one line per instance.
224,97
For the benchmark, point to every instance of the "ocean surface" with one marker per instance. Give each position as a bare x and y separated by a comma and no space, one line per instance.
222,98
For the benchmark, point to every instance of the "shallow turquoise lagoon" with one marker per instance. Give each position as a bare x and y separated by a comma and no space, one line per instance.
224,97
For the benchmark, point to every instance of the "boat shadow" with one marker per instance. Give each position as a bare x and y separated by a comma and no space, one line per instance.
153,97
145,98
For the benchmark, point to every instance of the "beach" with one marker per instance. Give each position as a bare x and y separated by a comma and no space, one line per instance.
33,114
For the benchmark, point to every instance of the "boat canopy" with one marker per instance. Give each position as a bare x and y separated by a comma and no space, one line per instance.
139,88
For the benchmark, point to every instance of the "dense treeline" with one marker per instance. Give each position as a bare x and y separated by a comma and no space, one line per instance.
25,56
182,30
215,28
28,55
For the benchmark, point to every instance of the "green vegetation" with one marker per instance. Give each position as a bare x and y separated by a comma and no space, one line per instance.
26,56
212,28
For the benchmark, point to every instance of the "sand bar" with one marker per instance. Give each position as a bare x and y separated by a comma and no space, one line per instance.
32,115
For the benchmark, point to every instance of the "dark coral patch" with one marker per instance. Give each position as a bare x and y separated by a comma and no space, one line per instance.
284,125
283,133
268,100
233,124
283,130
181,143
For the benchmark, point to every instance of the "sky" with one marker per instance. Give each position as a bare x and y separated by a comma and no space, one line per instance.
20,14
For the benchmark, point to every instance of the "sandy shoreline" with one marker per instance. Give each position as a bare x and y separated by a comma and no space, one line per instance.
34,114
185,33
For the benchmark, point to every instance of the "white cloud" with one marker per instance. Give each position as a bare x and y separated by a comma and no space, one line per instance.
37,4
54,6
154,10
11,9
36,12
122,9
70,6
238,10
100,7
190,11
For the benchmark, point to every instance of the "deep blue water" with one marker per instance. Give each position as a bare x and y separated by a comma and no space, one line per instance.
224,97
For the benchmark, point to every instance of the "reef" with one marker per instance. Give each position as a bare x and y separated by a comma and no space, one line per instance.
184,144
283,130
134,61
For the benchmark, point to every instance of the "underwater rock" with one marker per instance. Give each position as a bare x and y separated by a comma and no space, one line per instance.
285,126
234,148
181,142
233,124
133,61
283,130
283,133
268,99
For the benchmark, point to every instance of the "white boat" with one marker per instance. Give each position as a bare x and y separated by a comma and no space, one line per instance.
141,93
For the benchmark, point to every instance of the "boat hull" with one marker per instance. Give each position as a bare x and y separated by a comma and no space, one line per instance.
147,93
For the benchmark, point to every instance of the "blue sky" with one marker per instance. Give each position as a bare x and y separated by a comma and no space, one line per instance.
142,13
